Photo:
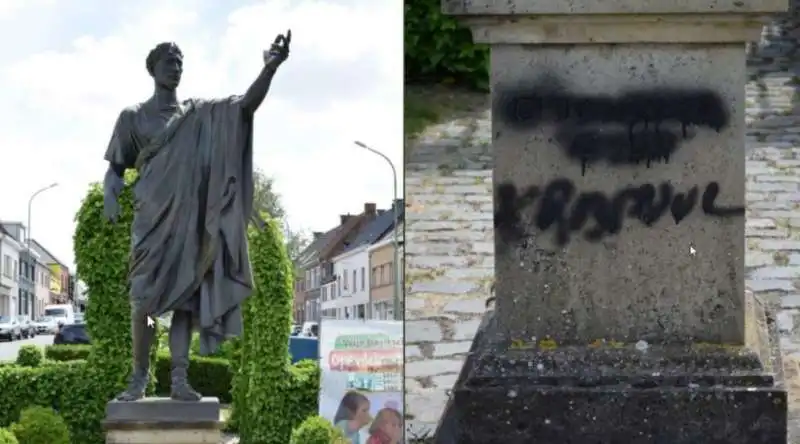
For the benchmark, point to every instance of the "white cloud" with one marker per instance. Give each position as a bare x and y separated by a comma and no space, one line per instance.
343,82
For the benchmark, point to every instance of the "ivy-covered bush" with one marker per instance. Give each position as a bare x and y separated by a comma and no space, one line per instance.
303,394
30,356
40,425
317,430
101,256
439,50
263,378
6,437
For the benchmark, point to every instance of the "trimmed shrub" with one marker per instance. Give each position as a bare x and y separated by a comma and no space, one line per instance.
6,437
439,50
101,256
54,384
263,379
209,375
67,352
30,356
40,425
303,394
317,430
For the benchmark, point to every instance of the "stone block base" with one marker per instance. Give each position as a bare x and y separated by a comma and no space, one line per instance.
183,436
163,421
677,394
574,415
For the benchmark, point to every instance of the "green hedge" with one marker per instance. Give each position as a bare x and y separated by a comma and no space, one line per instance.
439,50
40,425
55,384
210,376
64,352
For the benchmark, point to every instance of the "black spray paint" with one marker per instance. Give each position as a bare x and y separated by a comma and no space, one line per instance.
560,207
635,127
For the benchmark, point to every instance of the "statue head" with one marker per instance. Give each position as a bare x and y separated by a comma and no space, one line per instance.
165,65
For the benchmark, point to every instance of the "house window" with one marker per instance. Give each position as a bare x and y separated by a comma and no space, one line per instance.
380,278
363,279
355,287
374,281
344,278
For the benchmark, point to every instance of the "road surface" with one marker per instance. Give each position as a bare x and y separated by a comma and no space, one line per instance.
8,350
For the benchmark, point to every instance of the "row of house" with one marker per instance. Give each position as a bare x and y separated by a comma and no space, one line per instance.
349,271
31,277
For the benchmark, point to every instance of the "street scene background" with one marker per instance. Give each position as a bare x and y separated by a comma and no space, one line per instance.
327,152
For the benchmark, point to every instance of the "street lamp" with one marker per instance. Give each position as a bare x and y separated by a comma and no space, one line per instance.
395,206
28,243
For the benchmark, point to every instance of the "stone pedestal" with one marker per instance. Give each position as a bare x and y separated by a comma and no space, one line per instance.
619,223
163,421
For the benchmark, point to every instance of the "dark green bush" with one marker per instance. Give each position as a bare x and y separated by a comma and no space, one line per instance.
30,356
40,425
6,437
303,394
208,375
317,430
65,352
264,379
439,50
58,385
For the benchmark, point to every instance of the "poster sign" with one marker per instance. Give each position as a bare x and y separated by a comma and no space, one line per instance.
361,390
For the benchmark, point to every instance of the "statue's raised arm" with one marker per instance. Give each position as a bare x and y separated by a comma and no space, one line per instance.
193,200
273,59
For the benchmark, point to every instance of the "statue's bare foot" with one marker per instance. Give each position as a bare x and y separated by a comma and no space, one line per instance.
184,392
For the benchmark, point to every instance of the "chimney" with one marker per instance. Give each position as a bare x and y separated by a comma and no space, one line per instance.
370,209
343,218
317,234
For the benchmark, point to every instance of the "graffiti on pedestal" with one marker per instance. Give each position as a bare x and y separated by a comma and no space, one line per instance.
633,128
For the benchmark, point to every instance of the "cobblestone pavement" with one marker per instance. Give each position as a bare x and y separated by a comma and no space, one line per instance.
449,249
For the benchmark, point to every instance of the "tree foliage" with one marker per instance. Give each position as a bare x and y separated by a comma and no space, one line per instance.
265,198
439,50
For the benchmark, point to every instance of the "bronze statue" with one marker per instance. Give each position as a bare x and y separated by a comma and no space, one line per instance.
193,201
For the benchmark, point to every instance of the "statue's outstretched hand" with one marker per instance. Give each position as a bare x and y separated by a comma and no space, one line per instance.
279,51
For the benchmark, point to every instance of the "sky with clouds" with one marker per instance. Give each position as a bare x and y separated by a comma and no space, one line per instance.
69,67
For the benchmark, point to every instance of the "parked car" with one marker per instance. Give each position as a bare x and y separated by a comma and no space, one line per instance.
72,334
46,325
26,326
10,328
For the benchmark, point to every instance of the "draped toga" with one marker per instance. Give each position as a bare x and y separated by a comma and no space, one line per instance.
193,199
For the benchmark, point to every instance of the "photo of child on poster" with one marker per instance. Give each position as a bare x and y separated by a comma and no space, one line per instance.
354,419
361,386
